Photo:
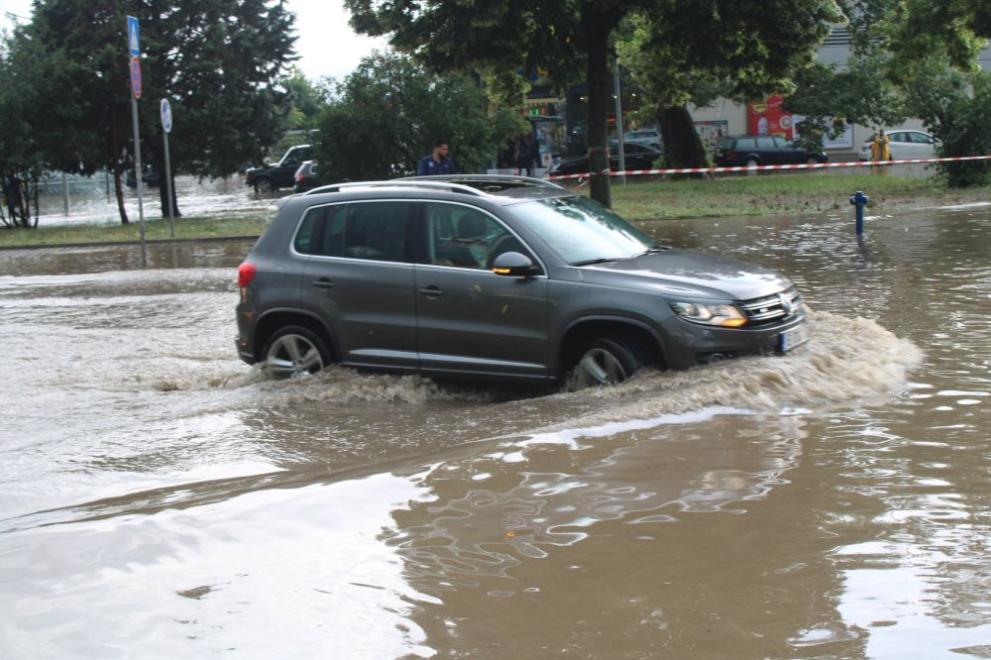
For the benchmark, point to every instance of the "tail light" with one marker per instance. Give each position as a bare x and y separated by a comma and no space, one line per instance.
299,177
245,273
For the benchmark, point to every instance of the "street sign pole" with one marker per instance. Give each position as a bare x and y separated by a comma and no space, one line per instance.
166,113
134,50
619,120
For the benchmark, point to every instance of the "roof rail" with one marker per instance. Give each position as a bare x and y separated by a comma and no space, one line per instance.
400,183
490,178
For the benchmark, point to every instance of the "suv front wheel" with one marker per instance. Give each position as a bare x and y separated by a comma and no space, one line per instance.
293,351
607,362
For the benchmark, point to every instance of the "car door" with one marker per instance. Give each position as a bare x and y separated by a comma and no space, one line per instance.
769,152
638,157
900,146
922,145
359,278
470,320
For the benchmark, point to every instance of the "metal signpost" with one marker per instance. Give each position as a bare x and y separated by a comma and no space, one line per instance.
619,121
165,110
134,50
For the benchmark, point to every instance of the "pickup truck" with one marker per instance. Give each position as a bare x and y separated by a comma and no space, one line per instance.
269,178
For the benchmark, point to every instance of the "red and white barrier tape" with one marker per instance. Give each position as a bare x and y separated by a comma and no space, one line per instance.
765,168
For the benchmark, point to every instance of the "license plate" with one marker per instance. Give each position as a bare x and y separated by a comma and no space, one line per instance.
793,338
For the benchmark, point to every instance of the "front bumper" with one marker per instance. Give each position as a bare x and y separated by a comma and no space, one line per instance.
689,344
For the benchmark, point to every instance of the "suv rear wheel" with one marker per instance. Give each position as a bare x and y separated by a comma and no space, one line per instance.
607,362
293,351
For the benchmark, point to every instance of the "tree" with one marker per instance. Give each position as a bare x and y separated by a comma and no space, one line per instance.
307,101
909,58
570,39
385,116
217,62
697,51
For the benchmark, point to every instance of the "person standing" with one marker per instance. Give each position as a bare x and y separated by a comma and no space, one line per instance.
525,155
437,162
880,147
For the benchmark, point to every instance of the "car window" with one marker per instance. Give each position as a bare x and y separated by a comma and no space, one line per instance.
466,237
765,143
581,231
920,138
378,231
746,143
898,137
782,143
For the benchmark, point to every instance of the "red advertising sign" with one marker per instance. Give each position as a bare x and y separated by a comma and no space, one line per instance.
136,77
767,118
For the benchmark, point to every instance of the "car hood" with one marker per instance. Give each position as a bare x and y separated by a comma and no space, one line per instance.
687,273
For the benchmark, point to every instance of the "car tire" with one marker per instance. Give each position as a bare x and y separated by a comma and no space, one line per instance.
263,186
752,163
607,362
813,160
294,351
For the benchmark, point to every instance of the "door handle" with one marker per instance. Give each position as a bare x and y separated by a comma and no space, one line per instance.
431,292
324,283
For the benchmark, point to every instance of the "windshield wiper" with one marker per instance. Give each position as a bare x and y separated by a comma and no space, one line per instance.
589,262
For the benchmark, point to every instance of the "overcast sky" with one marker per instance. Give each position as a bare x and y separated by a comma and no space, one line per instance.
326,44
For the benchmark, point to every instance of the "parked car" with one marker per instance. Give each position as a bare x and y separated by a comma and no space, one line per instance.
269,178
638,157
905,145
751,150
494,278
306,177
647,137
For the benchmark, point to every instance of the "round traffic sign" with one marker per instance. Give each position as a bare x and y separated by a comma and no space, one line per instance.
165,109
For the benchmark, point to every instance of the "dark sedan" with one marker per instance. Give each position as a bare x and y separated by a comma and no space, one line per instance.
752,150
637,156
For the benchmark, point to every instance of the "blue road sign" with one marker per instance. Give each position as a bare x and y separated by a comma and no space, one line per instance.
133,36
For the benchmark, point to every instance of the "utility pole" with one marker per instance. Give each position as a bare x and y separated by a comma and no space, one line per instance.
617,92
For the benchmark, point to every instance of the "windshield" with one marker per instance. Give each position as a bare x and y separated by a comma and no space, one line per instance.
581,231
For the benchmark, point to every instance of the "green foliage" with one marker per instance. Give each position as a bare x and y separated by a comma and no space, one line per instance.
830,98
385,116
694,52
217,61
953,105
306,99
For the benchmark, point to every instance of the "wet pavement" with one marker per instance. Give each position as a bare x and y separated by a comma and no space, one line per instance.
159,498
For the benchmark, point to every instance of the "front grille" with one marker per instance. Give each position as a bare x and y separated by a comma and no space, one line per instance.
769,310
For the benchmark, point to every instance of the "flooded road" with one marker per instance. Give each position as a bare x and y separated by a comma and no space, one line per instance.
159,498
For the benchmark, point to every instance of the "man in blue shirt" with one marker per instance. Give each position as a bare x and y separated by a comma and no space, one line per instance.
437,162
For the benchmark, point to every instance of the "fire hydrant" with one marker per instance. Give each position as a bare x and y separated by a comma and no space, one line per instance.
860,200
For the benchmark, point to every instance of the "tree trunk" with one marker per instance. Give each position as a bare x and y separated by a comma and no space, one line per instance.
118,187
163,190
682,145
597,26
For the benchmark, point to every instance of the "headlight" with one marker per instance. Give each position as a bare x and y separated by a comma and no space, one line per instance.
726,316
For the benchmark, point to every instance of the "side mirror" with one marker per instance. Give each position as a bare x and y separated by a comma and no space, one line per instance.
514,264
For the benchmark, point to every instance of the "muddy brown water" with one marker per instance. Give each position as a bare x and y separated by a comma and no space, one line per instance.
158,498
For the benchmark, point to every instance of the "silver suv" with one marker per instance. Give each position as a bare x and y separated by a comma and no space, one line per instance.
494,278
